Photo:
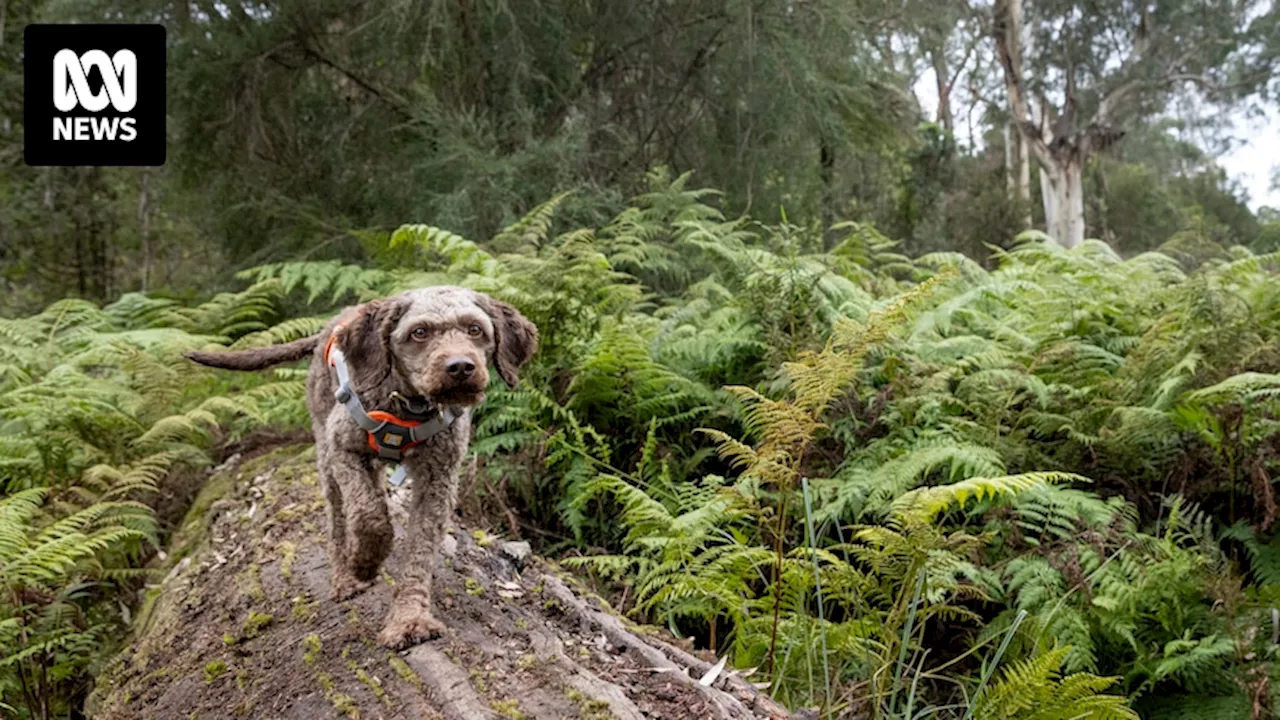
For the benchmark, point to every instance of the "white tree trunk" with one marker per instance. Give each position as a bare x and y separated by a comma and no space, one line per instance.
1024,178
1010,157
1062,188
1072,207
1017,171
1061,154
1049,196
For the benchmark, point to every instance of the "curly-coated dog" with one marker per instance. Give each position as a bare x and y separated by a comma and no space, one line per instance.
431,345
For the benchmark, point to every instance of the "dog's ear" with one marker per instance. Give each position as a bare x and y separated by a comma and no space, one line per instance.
365,340
515,339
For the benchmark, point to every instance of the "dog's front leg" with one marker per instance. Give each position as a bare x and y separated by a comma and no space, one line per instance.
433,470
359,525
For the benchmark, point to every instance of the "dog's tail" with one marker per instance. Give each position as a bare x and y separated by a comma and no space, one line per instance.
256,358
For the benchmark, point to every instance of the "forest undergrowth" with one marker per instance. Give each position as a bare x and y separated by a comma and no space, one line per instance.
894,487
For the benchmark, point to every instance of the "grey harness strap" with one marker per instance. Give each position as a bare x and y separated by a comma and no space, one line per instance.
389,439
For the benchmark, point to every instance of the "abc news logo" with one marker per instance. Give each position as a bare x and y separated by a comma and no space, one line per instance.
71,88
94,94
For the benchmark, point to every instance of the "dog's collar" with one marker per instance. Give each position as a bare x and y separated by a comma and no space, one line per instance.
389,435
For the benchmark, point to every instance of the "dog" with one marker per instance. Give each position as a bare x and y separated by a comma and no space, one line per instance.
431,345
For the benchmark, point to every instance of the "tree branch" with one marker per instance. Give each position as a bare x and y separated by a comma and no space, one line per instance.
395,103
964,62
1107,106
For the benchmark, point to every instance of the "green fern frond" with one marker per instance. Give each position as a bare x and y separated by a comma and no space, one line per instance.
924,504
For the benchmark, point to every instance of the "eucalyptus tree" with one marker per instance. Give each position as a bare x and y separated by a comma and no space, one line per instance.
1078,72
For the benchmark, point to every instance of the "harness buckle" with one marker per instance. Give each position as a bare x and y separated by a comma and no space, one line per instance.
391,436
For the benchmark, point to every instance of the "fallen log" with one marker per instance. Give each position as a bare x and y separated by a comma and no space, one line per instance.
241,627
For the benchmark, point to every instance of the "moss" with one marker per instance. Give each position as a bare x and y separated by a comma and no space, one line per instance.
194,529
146,610
604,604
242,680
157,675
288,555
386,577
522,624
228,639
370,682
214,670
304,608
326,682
255,623
482,538
588,708
474,587
509,708
286,515
478,680
298,474
312,645
526,661
195,525
250,582
406,673
344,703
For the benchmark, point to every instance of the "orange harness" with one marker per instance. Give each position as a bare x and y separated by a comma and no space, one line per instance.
389,435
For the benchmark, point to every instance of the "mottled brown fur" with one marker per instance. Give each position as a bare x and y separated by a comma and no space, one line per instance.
459,327
257,358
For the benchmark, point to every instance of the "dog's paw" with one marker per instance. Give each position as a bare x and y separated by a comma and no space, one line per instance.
344,587
405,631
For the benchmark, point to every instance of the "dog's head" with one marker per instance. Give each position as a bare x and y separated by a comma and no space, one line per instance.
437,342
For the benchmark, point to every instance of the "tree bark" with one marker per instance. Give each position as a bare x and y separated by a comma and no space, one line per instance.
1024,179
144,227
938,57
1017,170
1062,187
1010,159
1048,201
826,173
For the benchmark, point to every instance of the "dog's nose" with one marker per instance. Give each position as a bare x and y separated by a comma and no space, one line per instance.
460,368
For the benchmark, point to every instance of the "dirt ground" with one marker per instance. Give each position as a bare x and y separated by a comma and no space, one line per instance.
242,627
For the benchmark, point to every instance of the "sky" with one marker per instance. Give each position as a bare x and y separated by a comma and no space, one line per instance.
1254,154
1252,162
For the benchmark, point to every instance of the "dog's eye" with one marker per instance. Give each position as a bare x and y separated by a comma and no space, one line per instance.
419,334
474,330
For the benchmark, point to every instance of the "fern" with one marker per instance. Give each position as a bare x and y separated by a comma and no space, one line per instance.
924,504
1033,690
951,411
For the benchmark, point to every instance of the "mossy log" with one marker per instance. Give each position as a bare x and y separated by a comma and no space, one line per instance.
241,627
